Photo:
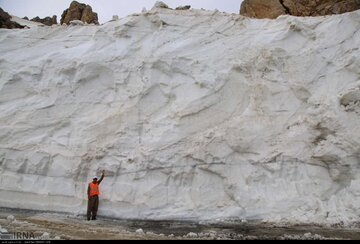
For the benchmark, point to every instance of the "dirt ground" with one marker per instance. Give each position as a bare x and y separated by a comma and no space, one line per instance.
45,225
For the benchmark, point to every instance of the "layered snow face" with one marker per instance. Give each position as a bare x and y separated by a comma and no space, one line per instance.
193,115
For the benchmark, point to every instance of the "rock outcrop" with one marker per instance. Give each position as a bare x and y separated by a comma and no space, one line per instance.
5,21
185,7
273,8
320,7
46,21
262,9
79,11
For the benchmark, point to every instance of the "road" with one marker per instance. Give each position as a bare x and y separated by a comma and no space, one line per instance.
72,227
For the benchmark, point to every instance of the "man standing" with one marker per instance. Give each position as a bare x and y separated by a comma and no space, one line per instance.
93,196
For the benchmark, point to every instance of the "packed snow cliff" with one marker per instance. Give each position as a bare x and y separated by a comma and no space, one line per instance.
193,114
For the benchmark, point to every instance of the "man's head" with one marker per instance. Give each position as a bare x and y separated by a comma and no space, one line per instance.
95,179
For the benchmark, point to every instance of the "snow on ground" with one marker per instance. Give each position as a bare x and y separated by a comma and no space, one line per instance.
24,22
194,115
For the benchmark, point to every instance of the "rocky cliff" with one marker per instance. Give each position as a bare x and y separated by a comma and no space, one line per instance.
274,8
6,22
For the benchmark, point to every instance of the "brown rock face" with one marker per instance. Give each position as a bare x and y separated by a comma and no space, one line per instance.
321,7
5,21
46,21
79,11
262,9
273,8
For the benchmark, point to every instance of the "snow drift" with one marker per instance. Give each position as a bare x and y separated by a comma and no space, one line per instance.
193,115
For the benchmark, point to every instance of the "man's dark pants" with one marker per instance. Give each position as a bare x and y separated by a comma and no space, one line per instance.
93,205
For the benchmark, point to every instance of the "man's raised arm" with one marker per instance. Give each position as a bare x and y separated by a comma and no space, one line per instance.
102,177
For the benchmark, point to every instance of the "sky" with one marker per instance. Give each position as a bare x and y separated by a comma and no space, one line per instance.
107,8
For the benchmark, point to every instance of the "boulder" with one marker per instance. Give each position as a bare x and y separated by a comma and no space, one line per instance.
262,9
273,8
79,11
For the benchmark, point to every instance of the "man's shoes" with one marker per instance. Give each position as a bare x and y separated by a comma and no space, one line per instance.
88,219
94,218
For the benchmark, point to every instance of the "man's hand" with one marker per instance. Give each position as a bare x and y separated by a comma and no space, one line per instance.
103,172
